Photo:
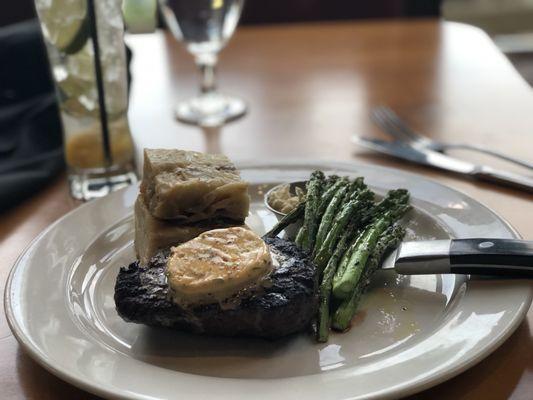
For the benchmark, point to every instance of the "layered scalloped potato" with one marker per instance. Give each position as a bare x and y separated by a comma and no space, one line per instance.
185,193
191,186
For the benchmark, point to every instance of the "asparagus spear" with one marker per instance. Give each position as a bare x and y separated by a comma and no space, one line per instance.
347,309
329,194
307,234
325,287
343,264
330,212
301,236
350,211
350,277
296,214
344,286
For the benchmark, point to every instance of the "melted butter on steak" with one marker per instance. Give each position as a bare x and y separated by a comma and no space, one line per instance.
217,265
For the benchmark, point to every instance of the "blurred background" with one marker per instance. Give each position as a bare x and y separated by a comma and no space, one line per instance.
24,74
279,11
508,22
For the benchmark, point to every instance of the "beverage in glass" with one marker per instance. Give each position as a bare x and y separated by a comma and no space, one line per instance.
84,41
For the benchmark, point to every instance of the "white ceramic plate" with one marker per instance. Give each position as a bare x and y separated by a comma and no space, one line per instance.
411,332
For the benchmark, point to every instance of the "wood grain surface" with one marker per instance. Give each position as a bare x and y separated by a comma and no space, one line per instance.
309,88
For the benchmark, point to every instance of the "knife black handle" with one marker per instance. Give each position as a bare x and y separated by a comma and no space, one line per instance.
504,257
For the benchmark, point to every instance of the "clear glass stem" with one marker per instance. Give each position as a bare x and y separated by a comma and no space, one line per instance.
207,65
210,108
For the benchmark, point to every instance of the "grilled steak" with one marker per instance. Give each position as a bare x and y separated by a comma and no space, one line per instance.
287,305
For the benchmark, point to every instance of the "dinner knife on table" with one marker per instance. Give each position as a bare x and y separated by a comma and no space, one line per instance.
442,161
502,257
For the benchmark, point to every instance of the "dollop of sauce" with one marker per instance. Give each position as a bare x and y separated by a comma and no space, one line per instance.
216,265
282,200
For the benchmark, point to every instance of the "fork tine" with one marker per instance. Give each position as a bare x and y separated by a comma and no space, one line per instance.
381,119
392,124
400,125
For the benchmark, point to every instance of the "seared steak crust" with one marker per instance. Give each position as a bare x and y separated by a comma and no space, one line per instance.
286,305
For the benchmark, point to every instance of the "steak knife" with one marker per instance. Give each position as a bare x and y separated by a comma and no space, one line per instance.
442,161
503,257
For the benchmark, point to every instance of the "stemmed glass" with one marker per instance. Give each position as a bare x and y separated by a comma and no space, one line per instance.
205,27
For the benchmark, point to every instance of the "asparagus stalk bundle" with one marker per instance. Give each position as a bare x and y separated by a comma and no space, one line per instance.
326,285
351,211
347,235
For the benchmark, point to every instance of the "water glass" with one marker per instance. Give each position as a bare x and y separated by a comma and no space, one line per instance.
205,26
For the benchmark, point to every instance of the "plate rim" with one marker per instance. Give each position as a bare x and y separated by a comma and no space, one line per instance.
405,389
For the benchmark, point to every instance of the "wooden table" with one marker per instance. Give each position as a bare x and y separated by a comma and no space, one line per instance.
309,88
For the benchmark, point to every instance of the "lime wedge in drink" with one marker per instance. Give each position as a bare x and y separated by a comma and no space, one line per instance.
140,15
65,23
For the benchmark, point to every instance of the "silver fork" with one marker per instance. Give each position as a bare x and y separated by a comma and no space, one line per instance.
392,124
